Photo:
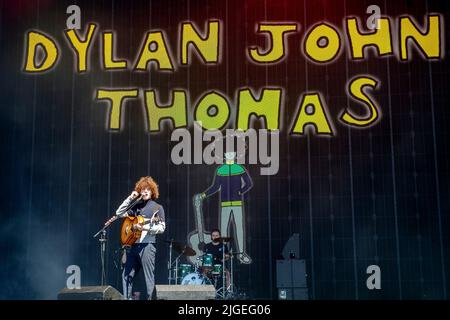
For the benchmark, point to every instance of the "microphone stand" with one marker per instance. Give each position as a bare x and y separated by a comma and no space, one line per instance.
103,239
169,266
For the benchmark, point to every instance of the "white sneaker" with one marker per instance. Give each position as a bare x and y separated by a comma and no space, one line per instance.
244,258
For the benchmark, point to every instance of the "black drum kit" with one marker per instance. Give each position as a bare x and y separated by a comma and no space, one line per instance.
204,272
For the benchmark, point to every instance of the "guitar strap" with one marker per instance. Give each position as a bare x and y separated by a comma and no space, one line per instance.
156,212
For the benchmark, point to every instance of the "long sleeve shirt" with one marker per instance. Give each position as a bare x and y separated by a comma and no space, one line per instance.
146,209
232,180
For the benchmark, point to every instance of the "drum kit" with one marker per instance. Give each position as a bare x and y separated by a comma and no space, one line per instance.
204,271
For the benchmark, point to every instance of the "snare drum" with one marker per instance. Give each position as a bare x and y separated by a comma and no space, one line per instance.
184,270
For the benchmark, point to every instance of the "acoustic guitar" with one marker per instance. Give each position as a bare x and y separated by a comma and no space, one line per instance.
196,239
129,233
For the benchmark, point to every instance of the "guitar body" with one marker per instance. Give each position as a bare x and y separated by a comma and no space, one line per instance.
129,234
198,246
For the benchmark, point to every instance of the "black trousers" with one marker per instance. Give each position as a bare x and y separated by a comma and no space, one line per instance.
139,256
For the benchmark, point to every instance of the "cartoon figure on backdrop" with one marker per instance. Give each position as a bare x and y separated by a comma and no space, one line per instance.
233,181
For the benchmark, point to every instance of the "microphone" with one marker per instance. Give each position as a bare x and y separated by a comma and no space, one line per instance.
139,197
136,200
133,203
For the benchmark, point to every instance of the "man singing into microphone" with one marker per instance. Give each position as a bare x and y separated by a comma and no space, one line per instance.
142,252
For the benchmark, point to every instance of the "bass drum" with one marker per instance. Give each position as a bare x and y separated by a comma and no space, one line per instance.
195,278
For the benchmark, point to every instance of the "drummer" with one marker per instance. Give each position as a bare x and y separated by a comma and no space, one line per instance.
215,247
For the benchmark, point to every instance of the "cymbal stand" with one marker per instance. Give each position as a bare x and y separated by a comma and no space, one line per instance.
231,273
221,292
176,269
224,284
230,288
169,264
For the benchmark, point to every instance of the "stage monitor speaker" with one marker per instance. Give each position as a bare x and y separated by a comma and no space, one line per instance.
291,273
185,292
90,293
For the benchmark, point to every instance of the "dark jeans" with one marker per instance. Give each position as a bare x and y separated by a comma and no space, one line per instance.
140,255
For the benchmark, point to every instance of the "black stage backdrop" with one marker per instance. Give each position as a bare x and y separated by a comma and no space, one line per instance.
374,196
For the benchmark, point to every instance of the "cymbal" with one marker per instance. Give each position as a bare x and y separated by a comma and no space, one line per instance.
183,249
224,239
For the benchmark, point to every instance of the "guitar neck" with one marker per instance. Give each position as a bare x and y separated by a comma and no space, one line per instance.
199,219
